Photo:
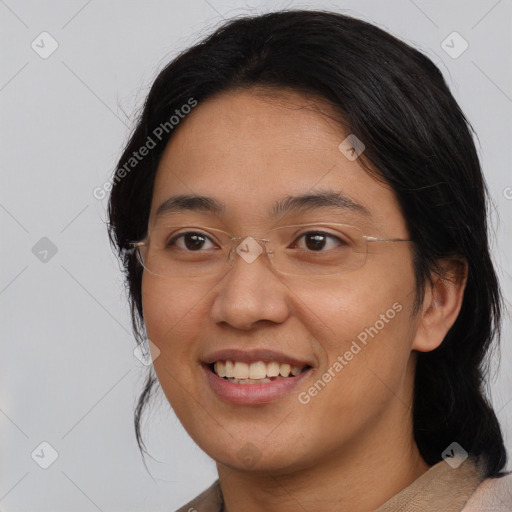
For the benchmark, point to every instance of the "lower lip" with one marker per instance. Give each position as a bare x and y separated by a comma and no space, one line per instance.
252,394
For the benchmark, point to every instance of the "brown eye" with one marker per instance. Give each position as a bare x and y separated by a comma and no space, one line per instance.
318,241
191,241
315,241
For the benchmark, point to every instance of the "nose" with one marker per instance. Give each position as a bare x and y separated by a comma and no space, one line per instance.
251,291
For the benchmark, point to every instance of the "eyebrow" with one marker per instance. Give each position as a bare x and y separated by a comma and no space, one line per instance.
288,204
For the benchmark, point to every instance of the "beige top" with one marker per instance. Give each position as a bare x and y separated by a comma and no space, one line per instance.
440,489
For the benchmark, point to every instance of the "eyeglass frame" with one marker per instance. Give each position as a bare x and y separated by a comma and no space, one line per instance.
135,245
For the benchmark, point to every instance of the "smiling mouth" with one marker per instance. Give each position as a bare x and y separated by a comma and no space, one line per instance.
258,372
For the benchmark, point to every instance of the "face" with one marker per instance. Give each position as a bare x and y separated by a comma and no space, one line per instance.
349,335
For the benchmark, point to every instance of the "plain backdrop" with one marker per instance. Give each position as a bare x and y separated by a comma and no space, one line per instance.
68,375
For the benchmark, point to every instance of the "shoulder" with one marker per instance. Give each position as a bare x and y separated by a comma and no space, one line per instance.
209,500
493,494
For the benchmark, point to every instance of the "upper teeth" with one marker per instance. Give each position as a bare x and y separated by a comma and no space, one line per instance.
257,370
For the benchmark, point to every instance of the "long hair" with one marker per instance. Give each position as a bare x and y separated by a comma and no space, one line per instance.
394,99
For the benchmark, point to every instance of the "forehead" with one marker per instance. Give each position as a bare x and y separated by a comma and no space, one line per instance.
250,151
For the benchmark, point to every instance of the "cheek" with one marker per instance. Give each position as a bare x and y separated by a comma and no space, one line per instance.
173,313
365,340
169,307
363,328
375,301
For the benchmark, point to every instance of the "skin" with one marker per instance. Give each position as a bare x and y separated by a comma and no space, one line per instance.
351,447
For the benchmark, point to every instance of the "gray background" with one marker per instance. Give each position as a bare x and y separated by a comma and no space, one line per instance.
67,369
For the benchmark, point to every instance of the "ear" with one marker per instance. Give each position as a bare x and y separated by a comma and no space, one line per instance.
441,304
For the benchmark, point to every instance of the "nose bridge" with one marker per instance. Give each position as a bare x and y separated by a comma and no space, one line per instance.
251,291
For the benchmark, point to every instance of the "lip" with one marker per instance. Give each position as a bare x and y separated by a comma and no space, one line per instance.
252,356
252,394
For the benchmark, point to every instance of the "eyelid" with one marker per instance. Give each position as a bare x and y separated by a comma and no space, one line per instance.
216,235
327,229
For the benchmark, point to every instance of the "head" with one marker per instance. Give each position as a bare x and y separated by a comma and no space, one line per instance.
257,142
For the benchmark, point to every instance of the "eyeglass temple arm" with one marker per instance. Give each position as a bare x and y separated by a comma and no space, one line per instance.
375,239
135,245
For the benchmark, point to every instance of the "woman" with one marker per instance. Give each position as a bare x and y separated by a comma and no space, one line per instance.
301,215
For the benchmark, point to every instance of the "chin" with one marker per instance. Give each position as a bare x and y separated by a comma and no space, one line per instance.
246,454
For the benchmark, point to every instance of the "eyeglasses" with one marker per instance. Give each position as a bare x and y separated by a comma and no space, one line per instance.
183,252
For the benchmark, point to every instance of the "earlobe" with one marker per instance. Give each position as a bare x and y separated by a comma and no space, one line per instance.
441,305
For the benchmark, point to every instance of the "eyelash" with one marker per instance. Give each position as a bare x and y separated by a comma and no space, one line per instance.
174,239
